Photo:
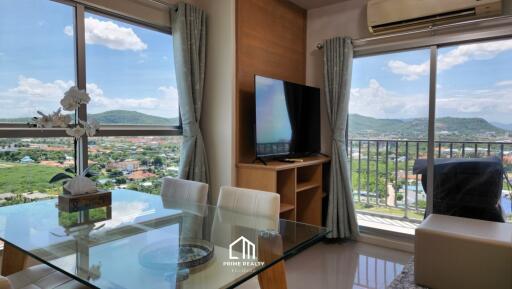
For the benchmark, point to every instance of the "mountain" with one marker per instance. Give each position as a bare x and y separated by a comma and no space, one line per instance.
131,117
451,128
116,117
505,126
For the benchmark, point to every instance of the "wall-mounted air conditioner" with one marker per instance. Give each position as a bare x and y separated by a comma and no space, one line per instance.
395,15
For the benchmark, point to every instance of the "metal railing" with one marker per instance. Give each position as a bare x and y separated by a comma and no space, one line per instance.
381,170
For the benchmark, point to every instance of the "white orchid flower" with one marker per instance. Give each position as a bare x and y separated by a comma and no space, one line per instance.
73,98
91,127
76,132
45,121
60,119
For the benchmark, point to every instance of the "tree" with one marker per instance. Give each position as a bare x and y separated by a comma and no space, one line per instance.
158,161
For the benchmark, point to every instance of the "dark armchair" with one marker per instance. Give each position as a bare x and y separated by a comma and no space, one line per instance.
468,188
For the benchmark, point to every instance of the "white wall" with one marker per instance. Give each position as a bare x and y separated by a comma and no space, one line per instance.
218,104
347,18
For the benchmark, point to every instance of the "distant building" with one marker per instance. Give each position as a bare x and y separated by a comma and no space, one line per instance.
129,165
26,160
140,175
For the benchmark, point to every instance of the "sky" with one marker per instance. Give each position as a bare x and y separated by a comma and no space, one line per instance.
128,67
473,80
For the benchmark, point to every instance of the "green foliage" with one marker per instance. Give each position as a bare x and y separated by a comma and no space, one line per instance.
20,178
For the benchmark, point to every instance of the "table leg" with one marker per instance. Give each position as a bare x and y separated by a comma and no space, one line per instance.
270,247
13,260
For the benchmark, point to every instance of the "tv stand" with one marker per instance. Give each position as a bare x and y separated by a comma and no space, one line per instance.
299,184
260,159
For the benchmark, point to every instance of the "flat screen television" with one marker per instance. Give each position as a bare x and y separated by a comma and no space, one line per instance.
287,118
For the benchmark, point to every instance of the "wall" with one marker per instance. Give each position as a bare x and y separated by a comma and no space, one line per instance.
271,41
347,18
218,104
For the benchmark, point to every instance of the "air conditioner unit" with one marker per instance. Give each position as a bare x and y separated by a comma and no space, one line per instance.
395,15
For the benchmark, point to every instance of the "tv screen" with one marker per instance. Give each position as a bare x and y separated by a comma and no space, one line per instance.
287,118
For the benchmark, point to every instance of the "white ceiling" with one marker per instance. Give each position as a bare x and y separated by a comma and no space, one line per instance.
311,4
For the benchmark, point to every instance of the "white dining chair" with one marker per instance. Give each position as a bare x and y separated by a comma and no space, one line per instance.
250,202
184,190
39,277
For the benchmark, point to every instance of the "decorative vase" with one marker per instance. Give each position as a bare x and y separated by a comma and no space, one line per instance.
80,185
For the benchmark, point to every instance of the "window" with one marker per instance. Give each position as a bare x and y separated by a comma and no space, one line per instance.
37,60
474,100
136,163
129,73
389,120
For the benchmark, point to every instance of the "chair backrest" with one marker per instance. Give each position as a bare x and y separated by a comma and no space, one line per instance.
184,191
242,212
250,202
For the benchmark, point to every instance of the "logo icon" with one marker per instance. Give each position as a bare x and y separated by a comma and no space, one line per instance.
248,249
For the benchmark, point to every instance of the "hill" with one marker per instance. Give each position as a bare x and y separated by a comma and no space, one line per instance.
132,117
117,117
451,128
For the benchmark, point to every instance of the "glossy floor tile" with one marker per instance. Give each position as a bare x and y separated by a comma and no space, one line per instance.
348,265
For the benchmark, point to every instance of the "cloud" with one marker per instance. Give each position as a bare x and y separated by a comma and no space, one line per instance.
37,89
109,34
504,83
31,95
409,71
376,101
457,56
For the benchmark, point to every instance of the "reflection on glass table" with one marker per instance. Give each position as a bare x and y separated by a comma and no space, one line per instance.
143,241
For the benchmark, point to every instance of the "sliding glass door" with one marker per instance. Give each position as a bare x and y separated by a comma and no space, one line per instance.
469,98
473,113
388,131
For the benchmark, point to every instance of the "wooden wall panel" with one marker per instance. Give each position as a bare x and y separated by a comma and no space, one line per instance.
271,41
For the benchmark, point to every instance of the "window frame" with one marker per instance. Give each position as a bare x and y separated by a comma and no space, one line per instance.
20,130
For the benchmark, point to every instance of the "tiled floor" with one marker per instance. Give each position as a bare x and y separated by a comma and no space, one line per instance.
348,265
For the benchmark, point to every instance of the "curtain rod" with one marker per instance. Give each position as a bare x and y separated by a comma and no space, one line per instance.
430,28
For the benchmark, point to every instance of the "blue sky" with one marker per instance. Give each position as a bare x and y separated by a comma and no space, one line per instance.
128,67
474,80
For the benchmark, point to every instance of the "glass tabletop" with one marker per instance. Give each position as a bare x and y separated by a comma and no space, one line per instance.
146,241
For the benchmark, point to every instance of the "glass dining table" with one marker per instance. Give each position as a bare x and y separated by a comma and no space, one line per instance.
146,241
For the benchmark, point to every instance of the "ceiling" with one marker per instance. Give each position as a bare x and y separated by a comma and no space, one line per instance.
311,4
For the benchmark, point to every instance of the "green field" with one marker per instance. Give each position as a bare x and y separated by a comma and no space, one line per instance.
23,178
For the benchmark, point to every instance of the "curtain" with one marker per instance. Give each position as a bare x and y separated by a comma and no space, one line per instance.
189,38
341,217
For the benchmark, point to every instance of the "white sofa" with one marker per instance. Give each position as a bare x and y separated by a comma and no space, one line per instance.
453,253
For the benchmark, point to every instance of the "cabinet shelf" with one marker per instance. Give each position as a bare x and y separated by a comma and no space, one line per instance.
304,186
286,208
299,186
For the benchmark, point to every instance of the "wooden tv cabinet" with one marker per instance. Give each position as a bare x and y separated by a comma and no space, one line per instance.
299,184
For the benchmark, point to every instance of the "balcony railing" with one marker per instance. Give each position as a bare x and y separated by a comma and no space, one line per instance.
382,178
